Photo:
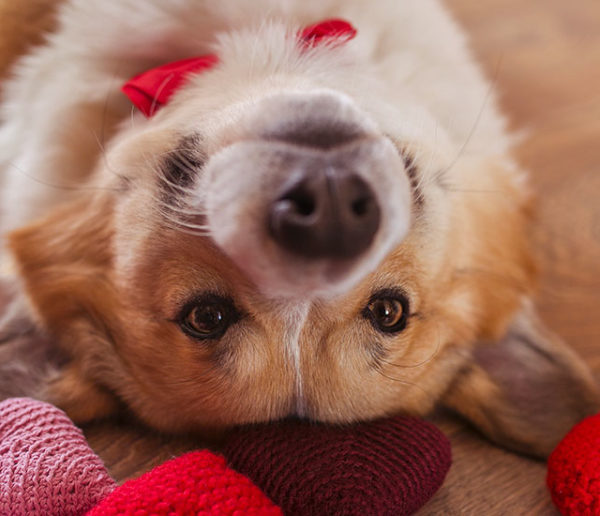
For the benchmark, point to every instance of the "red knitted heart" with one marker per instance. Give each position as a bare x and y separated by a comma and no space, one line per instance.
196,483
574,470
390,466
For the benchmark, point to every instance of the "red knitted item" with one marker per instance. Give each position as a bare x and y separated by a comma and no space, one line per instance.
386,467
574,470
198,483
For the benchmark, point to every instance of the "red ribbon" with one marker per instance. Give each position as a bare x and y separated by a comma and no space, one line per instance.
151,90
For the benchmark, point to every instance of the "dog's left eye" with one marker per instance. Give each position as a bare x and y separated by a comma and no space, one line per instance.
387,311
208,317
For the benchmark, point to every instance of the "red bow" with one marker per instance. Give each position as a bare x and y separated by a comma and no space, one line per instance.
151,90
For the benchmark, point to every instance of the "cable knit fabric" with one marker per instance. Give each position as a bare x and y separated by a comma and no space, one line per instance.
46,465
574,470
198,483
386,467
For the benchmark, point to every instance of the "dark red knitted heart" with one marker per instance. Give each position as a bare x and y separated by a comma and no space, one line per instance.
574,470
385,467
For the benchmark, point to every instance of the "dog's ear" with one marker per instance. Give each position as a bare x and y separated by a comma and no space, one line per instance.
63,262
526,391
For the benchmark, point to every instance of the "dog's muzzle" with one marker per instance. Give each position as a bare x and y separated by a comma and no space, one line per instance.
309,198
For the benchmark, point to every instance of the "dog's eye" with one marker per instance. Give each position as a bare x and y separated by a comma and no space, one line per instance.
387,311
208,317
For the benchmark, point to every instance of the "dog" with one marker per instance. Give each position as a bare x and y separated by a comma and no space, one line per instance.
330,228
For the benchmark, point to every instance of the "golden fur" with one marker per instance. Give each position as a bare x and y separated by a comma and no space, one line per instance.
23,25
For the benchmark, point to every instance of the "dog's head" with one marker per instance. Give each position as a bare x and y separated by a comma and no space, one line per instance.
290,235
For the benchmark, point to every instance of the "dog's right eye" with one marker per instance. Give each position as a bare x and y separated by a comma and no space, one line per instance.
208,317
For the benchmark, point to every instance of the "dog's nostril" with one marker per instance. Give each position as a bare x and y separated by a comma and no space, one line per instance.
303,203
360,207
327,214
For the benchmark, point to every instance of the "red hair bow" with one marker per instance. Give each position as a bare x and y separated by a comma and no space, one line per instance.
151,90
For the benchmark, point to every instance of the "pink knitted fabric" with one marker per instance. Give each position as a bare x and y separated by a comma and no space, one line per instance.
46,465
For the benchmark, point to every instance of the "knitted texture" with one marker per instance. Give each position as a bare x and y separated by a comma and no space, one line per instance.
198,483
574,470
385,467
46,465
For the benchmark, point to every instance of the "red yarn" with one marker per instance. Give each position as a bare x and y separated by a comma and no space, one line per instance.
574,470
386,467
197,483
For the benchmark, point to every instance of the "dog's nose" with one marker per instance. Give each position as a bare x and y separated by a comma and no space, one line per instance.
328,213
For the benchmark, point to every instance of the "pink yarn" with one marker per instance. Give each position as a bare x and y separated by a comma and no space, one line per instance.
46,465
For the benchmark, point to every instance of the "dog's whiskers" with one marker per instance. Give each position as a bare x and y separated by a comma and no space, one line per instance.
104,155
187,231
174,187
184,225
177,150
422,362
74,187
187,205
181,222
488,95
435,352
408,384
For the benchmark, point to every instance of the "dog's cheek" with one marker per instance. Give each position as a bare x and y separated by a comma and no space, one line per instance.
82,399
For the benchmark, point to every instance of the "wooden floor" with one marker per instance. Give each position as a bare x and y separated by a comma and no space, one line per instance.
545,55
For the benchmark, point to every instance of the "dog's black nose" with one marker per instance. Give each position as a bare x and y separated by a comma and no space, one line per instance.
329,213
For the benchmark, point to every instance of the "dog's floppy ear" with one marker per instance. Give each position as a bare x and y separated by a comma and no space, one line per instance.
64,263
526,391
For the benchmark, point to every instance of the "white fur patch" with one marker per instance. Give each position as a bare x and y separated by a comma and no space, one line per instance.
295,316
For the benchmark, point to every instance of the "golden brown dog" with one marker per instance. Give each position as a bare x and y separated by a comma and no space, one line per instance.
335,232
